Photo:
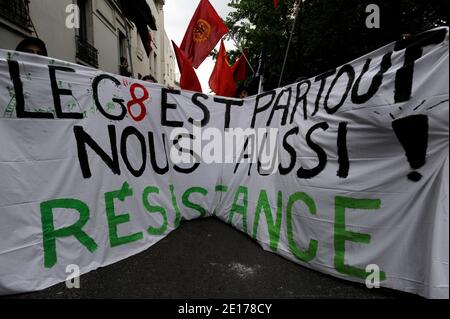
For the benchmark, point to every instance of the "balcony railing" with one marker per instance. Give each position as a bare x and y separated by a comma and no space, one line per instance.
16,11
86,52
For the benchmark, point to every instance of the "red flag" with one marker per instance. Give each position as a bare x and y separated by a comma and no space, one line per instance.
189,79
221,80
203,34
275,3
240,69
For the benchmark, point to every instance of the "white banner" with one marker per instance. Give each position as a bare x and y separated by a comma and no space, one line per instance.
346,173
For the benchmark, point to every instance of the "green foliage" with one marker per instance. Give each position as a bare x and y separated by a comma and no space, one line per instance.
328,33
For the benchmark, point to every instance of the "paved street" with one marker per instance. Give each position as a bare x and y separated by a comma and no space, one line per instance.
209,259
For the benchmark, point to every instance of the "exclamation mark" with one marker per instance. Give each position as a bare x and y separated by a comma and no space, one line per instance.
412,132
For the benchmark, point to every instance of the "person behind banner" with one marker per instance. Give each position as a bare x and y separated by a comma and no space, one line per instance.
242,92
32,45
300,79
149,78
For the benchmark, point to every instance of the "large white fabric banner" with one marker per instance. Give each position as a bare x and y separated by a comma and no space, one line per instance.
346,173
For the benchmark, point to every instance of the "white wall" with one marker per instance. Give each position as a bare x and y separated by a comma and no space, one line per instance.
9,39
170,62
49,18
141,63
106,36
157,54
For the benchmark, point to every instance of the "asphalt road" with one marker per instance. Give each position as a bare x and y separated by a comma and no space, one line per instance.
208,259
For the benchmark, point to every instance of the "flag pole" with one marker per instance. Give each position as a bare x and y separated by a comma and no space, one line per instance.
243,53
260,72
299,5
261,84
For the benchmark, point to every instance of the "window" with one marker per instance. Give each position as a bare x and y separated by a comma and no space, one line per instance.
16,11
86,52
123,45
85,30
124,67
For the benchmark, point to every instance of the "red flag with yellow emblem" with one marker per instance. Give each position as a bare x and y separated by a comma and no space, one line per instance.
203,34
